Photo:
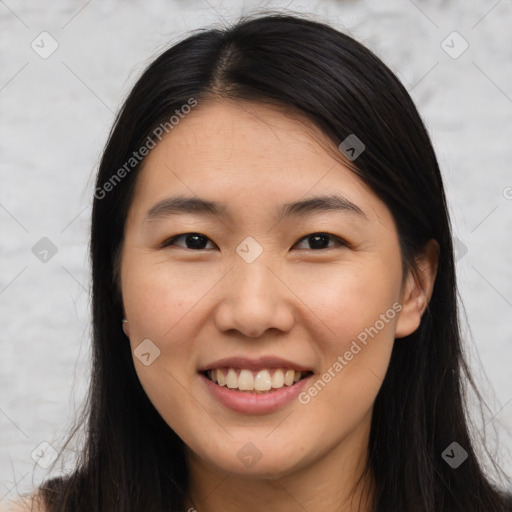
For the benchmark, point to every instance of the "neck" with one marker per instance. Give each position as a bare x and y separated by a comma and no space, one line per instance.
336,482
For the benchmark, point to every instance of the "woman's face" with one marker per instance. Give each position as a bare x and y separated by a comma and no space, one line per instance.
256,294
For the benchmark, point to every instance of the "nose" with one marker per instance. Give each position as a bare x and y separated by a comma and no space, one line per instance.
254,299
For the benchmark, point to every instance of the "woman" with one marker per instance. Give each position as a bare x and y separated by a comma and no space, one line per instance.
274,299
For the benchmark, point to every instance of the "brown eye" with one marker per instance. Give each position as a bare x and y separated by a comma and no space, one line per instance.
194,241
321,241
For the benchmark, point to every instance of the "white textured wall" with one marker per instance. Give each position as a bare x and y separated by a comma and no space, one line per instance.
55,114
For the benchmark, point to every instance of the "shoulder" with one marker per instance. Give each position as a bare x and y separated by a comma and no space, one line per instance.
30,503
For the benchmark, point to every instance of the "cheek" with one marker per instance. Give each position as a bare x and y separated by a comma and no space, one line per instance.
159,303
358,309
351,299
158,296
355,360
164,386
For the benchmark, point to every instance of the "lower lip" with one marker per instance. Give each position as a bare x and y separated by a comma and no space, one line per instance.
255,403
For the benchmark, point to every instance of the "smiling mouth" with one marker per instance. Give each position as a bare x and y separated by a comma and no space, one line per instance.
263,381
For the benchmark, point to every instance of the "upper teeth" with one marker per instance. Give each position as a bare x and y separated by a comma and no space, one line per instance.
246,380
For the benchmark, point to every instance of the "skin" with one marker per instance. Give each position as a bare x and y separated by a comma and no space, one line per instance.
293,301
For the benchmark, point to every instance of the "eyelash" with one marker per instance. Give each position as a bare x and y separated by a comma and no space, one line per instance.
170,242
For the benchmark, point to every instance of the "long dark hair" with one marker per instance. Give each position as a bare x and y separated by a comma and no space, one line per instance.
131,460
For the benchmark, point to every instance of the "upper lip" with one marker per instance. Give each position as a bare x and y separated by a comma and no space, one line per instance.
255,364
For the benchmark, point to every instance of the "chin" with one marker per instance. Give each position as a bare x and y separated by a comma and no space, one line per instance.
249,461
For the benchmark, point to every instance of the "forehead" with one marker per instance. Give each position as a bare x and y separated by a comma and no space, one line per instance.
239,131
248,155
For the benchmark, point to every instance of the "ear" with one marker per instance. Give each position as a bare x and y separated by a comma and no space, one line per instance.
126,328
417,289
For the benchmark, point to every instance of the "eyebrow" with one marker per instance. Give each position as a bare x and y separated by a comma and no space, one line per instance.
180,205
